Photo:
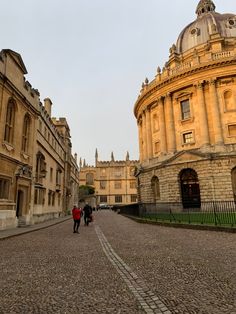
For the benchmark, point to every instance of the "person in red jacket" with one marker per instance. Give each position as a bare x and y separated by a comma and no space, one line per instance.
77,214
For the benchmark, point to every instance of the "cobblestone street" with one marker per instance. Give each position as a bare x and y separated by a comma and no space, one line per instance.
118,266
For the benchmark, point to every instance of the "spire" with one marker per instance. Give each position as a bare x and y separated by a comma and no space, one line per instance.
127,156
80,162
205,6
112,156
84,164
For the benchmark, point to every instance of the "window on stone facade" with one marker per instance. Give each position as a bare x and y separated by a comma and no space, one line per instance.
133,198
51,174
118,171
103,199
132,184
39,196
118,198
58,176
40,167
89,179
155,188
59,199
10,121
40,126
4,188
188,138
117,184
25,133
155,123
103,185
185,109
230,103
232,130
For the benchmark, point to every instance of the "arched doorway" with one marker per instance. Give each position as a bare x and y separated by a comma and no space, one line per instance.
19,205
190,189
233,178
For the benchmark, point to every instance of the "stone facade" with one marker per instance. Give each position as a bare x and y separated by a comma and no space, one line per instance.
114,181
36,165
187,116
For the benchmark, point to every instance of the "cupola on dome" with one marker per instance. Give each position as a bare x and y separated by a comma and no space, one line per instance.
208,23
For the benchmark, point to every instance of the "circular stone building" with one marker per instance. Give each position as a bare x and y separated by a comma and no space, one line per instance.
187,117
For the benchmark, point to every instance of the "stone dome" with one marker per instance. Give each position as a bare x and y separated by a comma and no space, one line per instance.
208,22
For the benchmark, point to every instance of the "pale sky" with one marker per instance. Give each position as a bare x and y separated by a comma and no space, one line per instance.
90,58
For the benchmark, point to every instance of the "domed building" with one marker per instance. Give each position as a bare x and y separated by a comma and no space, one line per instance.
186,117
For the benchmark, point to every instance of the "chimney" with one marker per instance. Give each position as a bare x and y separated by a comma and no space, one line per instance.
48,106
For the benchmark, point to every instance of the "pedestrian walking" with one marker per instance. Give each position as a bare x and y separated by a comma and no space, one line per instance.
77,213
87,214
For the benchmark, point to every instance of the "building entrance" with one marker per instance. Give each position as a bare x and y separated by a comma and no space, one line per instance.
19,205
190,189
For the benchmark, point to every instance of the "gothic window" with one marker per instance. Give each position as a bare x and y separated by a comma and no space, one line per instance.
117,185
133,184
10,120
39,196
102,185
133,198
40,167
185,109
58,176
4,188
89,179
229,100
155,188
103,199
118,171
25,133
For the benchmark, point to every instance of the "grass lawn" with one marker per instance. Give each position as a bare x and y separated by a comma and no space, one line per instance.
206,218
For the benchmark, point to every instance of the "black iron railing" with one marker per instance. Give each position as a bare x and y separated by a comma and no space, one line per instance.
218,213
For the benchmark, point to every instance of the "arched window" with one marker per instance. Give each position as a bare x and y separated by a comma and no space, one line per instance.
10,121
41,167
155,188
229,100
25,133
233,178
89,179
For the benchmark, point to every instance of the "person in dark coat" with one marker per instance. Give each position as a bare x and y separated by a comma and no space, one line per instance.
87,214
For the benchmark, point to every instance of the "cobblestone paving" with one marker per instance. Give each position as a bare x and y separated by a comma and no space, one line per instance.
118,266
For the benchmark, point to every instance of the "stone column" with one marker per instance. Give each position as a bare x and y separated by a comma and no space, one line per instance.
149,133
140,139
144,136
170,125
203,122
162,125
217,127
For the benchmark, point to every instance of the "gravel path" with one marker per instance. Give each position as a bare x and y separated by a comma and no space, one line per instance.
118,266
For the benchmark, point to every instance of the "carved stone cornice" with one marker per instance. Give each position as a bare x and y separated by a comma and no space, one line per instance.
199,68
